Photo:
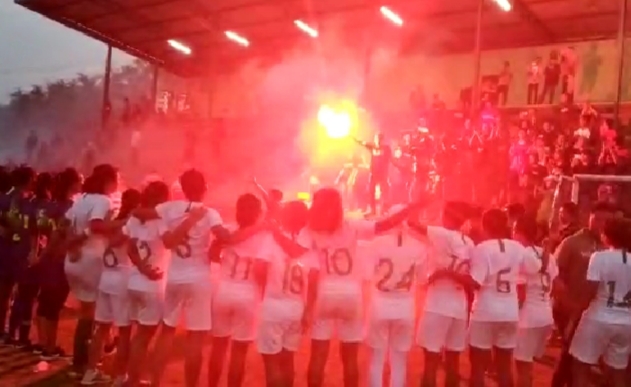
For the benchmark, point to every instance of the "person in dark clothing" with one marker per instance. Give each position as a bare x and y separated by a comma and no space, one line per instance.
17,226
551,79
568,221
572,257
29,248
53,284
381,157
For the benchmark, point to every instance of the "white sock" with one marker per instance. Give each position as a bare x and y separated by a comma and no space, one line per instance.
377,364
398,368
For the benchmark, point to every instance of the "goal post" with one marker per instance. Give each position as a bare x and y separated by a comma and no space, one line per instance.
584,190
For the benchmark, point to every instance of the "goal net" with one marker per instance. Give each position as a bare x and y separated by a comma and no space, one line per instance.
585,190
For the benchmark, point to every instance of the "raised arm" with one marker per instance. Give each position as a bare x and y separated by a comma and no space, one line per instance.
365,144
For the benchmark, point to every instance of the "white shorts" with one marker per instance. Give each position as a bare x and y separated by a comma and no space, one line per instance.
190,301
531,343
437,332
396,333
112,309
146,308
83,279
342,313
275,336
234,315
594,339
493,334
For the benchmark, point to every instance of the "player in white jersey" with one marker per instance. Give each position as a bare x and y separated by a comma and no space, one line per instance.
282,309
90,225
396,259
496,265
112,302
339,301
187,292
604,330
238,294
147,250
535,316
443,325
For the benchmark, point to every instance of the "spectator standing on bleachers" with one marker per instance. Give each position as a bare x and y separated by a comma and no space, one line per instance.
551,78
569,60
503,83
534,76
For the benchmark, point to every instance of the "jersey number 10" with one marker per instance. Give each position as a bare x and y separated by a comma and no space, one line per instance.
338,262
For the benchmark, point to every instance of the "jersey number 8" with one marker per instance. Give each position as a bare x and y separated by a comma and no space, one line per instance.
183,250
293,279
110,259
144,251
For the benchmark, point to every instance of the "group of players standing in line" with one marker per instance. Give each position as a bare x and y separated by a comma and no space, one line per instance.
296,270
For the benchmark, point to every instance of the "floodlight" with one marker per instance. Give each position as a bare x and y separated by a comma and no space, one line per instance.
392,16
237,38
178,46
306,28
504,5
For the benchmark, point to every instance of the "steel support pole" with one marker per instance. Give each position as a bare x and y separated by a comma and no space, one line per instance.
622,23
106,107
477,52
154,85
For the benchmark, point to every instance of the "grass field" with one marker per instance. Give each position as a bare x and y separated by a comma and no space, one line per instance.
16,368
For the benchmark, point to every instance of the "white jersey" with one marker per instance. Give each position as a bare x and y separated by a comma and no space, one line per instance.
496,266
340,273
148,239
286,288
449,250
85,209
537,308
189,261
236,276
116,269
395,259
612,270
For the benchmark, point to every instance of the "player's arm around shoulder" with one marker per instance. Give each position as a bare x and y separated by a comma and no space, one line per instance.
530,262
302,244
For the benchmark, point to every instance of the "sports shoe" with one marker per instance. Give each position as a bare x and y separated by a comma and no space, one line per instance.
120,381
37,349
110,348
54,354
92,377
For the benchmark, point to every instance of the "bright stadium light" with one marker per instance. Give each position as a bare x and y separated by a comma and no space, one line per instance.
184,49
393,17
504,5
306,28
237,38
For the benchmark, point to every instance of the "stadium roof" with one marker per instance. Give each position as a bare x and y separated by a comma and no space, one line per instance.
143,27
